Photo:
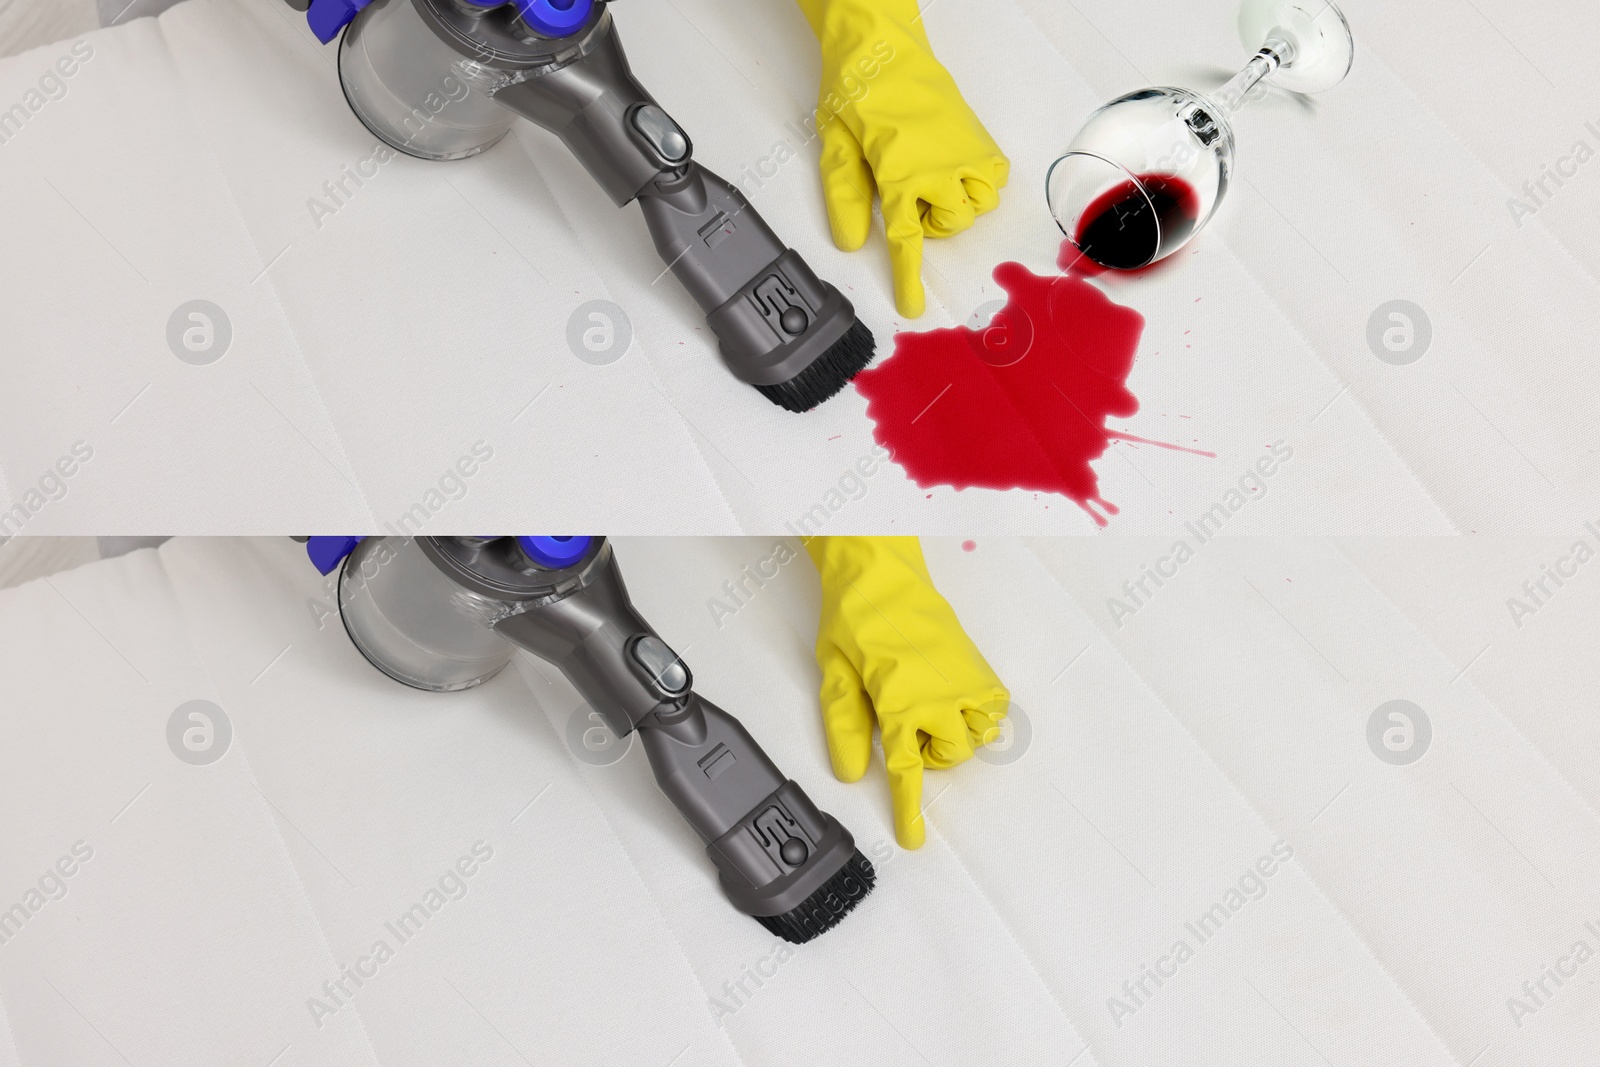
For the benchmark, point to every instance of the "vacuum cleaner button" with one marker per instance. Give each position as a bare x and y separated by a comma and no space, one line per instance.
658,129
661,664
721,759
794,321
717,230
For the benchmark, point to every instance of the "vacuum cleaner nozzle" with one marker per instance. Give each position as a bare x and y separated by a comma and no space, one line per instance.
445,613
827,375
772,873
788,865
560,64
825,908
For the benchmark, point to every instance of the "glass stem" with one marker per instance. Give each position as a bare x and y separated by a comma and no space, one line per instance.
1276,52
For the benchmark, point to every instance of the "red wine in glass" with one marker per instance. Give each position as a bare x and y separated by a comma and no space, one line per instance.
1148,170
1129,225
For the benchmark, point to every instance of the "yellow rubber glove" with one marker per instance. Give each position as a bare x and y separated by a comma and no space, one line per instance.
891,648
893,121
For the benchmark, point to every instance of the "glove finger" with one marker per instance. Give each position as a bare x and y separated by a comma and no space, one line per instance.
903,224
984,723
847,185
982,193
945,208
984,182
942,220
902,751
940,753
846,714
955,735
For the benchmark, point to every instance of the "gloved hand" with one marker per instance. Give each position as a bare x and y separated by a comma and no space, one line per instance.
901,129
891,647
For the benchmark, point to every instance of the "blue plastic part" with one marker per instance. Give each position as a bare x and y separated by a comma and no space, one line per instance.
555,18
328,17
552,18
328,552
554,552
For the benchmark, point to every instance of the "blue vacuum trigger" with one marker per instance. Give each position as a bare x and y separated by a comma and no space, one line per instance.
555,18
554,552
328,17
328,552
548,18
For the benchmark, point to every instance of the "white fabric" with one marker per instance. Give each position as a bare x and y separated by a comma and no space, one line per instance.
370,354
1167,757
116,12
23,559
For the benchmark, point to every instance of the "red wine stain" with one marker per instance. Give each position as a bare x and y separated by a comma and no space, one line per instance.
1019,404
969,546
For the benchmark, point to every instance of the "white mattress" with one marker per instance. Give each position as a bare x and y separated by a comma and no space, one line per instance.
1226,717
371,354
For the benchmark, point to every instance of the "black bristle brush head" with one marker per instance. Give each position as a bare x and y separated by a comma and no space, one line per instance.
826,375
825,908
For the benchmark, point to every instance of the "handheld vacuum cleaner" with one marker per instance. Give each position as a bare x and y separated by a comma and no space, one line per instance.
447,613
446,79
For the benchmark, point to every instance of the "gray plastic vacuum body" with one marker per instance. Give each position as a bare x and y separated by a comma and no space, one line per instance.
779,858
774,319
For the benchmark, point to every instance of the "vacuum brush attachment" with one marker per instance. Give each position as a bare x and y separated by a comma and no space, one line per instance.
445,613
443,79
792,867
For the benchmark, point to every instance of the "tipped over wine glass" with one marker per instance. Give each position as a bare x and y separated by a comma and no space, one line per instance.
1148,170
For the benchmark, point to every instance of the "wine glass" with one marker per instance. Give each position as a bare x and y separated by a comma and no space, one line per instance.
1148,170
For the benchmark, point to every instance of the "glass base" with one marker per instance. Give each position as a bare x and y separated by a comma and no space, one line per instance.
1321,48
